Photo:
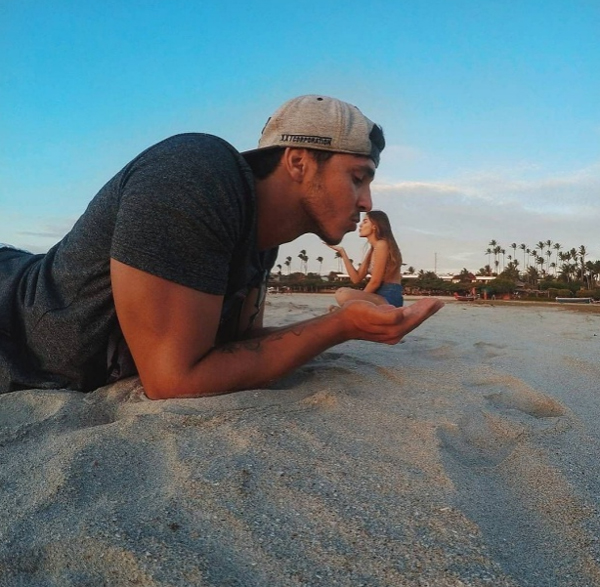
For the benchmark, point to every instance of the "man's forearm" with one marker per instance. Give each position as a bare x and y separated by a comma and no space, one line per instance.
257,361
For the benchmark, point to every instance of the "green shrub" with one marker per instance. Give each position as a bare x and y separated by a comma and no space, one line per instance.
501,286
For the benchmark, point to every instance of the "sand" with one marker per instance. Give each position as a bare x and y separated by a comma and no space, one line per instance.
467,455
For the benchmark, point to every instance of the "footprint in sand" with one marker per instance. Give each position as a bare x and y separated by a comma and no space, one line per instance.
489,350
481,439
527,401
486,438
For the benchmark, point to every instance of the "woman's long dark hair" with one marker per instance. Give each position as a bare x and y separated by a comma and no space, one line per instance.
383,231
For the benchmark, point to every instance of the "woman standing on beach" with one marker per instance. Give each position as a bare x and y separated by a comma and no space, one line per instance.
383,261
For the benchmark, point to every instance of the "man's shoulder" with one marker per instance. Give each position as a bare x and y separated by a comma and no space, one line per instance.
204,155
195,141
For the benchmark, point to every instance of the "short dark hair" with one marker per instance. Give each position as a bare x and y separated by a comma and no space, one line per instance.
265,161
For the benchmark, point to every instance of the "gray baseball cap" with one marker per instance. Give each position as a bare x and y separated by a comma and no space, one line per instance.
325,124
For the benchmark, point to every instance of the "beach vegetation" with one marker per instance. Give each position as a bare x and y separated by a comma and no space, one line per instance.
545,261
560,293
320,262
501,285
544,272
588,293
511,271
303,261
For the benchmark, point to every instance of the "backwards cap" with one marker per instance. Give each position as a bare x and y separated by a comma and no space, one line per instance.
325,124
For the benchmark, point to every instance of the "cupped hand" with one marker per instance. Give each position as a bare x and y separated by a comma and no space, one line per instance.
386,324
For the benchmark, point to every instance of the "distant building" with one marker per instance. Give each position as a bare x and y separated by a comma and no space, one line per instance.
469,277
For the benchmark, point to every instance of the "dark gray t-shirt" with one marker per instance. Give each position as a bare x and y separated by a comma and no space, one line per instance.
183,210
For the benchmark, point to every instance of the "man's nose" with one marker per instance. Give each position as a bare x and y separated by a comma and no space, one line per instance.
365,203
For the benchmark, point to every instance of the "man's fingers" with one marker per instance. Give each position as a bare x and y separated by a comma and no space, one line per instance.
425,308
418,312
393,324
415,313
388,324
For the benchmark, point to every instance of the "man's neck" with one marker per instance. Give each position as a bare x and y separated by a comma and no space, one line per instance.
281,218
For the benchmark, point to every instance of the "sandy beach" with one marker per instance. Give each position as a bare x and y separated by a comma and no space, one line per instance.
467,455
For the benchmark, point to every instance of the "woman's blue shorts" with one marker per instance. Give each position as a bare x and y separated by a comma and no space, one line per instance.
392,292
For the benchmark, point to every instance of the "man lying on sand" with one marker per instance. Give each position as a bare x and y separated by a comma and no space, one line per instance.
165,272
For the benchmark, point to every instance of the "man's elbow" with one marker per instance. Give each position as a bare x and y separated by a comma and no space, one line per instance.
160,386
157,388
157,392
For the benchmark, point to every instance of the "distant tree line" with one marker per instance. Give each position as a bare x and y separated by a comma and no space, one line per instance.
546,269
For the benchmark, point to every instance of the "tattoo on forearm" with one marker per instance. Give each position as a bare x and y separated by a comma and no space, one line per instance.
255,344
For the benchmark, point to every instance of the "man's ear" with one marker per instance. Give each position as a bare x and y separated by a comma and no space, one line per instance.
296,162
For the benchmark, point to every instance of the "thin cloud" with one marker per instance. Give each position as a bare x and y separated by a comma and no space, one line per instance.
453,220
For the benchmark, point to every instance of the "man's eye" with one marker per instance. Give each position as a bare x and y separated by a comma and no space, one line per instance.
357,180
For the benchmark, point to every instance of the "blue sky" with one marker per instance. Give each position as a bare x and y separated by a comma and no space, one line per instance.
491,108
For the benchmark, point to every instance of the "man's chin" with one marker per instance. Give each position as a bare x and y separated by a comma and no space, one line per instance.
334,239
330,240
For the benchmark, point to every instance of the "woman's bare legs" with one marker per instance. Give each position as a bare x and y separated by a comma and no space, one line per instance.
345,294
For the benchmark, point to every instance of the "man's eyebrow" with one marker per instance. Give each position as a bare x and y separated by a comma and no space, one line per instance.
368,170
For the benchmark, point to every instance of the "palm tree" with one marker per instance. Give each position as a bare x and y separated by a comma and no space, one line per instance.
565,272
549,255
596,271
572,267
495,250
532,275
279,267
320,262
557,247
465,274
567,268
574,254
541,246
564,259
410,270
496,262
540,261
534,253
593,268
548,244
512,270
523,247
303,261
338,256
488,252
582,253
288,264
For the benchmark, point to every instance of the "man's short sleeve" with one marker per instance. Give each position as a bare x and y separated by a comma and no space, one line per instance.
183,210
